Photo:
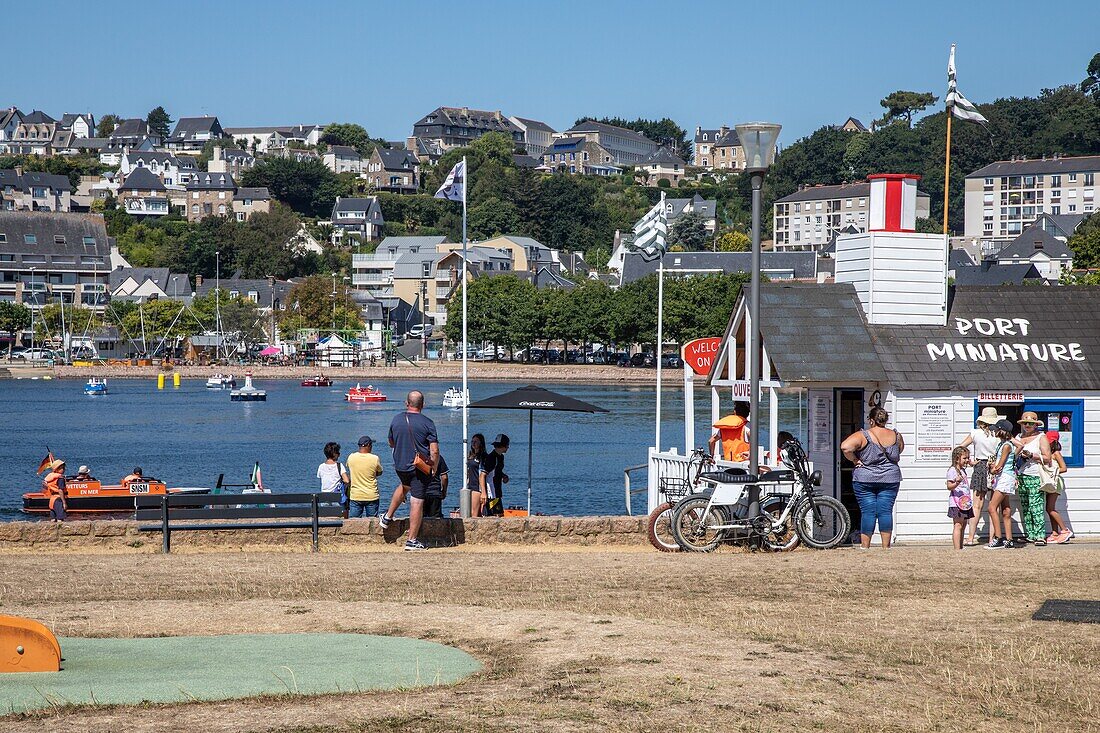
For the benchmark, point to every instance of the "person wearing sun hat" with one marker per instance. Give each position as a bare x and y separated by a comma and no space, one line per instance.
983,444
54,487
1032,447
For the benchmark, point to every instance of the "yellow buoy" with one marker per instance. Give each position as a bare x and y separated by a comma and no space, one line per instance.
175,379
160,381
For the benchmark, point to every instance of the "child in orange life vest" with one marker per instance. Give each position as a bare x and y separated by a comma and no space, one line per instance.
733,433
54,487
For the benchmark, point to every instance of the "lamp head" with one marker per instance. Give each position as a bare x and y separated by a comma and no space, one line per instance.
758,140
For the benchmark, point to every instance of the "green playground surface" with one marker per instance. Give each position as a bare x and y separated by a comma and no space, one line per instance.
189,668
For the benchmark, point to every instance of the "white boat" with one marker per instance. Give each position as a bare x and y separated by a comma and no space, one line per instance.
455,397
221,381
248,393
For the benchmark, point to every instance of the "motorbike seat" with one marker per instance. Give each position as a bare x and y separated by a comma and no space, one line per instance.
729,476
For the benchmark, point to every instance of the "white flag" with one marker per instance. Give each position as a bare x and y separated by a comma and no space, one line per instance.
957,104
651,232
454,188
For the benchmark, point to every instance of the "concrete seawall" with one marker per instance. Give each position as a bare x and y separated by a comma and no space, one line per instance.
356,534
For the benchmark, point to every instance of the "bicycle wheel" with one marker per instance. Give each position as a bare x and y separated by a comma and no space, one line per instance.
660,528
821,522
692,524
784,538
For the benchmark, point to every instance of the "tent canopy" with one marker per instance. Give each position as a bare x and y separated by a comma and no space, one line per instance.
270,351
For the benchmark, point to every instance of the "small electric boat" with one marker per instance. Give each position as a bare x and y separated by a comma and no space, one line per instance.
455,397
89,496
96,385
370,393
248,393
221,381
319,380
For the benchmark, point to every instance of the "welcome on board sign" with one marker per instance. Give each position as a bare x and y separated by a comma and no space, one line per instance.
699,354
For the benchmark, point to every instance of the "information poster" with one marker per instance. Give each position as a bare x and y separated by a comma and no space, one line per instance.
821,423
935,432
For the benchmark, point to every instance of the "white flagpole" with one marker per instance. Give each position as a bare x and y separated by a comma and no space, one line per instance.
465,342
660,333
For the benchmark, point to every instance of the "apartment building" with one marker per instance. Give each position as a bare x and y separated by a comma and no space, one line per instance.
718,149
809,219
579,155
374,272
627,147
33,191
1004,198
52,257
454,127
209,194
537,136
427,279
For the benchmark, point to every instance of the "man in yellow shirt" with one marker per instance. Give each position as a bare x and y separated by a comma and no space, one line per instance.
365,468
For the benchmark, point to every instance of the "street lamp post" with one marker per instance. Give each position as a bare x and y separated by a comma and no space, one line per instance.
35,296
758,140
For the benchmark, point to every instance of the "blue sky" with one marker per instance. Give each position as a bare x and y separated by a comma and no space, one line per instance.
384,65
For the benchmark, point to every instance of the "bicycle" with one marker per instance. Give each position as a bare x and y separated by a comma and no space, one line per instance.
659,527
702,521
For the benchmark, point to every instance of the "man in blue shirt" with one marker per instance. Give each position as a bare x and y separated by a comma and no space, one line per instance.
412,434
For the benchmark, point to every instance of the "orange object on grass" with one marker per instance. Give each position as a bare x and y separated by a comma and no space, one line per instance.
27,646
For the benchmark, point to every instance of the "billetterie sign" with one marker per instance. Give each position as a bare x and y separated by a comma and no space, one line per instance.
1013,343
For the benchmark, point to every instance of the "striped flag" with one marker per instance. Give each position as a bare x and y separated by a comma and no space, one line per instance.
651,233
45,461
454,188
957,104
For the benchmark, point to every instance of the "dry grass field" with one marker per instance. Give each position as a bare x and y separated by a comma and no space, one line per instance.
916,639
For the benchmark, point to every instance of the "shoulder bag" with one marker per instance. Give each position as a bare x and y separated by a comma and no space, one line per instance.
1048,476
420,463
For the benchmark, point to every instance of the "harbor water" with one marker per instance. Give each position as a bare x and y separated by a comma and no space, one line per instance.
189,435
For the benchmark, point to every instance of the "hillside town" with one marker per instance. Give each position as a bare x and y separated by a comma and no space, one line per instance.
326,234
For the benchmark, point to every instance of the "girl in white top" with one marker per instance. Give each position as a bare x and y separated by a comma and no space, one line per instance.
332,474
1002,473
982,444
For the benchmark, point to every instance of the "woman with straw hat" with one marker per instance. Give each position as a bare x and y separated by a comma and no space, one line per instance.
983,444
1032,448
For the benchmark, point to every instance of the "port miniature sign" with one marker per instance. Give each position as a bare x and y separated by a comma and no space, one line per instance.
1015,343
699,354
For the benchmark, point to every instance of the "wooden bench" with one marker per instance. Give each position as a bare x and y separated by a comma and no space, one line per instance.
182,512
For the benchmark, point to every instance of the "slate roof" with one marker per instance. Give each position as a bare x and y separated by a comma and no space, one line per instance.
1032,240
344,151
955,258
469,118
567,144
525,161
397,160
131,128
57,182
188,127
142,179
410,265
203,181
1060,225
261,286
990,273
593,126
705,208
816,333
355,204
664,157
259,193
38,117
1080,164
859,125
536,125
169,283
397,245
729,139
804,264
70,118
45,226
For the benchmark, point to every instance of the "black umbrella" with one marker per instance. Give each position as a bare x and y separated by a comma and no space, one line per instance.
533,398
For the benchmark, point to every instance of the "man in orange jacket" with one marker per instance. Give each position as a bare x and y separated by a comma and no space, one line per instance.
54,487
733,433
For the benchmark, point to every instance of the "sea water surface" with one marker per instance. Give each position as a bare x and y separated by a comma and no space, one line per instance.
187,436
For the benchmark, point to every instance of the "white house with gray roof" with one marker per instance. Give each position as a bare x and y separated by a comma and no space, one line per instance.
142,284
627,147
537,136
373,272
1040,247
34,191
343,159
356,218
192,133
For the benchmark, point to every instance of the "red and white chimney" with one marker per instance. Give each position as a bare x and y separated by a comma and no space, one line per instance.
893,202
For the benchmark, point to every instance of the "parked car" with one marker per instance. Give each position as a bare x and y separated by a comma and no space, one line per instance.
595,357
643,359
33,355
420,330
672,361
574,356
534,355
554,356
622,359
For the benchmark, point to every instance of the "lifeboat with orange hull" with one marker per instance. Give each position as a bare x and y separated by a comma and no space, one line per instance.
92,497
370,393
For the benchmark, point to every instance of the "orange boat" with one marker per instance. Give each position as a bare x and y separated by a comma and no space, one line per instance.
92,497
370,393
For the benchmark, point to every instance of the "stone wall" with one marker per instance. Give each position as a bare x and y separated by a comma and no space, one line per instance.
124,535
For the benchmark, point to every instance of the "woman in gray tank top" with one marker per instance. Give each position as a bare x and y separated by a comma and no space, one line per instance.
877,476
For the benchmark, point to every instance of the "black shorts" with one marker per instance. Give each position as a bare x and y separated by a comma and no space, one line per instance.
416,481
433,507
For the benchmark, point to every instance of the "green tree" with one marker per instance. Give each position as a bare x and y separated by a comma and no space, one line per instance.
492,217
664,132
260,245
904,104
1085,243
310,304
926,225
307,187
689,232
14,317
159,121
107,125
1091,84
734,241
351,134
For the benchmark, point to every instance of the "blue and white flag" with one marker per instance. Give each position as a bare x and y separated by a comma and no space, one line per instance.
454,188
651,233
957,104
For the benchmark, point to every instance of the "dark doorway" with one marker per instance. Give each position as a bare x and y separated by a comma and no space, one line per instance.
849,419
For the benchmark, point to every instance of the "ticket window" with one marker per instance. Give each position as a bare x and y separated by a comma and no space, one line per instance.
1065,416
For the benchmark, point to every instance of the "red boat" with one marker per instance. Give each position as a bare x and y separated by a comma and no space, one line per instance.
318,381
370,393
